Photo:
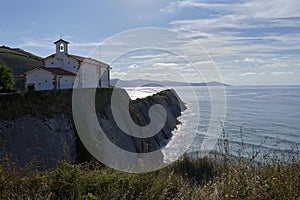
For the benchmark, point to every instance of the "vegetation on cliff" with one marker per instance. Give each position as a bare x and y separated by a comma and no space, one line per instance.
40,104
186,179
6,79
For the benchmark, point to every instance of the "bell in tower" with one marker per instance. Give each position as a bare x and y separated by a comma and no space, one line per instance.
61,46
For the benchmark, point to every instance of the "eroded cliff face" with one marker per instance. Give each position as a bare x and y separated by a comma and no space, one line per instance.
40,125
45,140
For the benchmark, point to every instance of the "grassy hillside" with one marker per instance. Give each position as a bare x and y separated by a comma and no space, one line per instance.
186,179
19,61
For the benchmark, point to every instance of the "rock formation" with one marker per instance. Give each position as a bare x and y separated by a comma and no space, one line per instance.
40,125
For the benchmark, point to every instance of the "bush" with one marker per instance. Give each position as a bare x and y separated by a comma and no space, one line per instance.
6,79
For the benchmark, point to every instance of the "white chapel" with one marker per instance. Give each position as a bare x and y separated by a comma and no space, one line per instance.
59,71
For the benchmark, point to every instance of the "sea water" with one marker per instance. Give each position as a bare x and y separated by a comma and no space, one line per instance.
257,117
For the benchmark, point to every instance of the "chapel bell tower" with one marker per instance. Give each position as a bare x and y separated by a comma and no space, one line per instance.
61,46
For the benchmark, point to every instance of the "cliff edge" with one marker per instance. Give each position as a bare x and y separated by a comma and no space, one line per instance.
39,125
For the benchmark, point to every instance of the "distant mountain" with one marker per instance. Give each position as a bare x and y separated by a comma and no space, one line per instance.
211,83
19,61
150,83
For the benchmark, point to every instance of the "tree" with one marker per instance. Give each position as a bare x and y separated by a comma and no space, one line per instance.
6,79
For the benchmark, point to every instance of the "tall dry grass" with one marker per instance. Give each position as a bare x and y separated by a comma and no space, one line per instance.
264,175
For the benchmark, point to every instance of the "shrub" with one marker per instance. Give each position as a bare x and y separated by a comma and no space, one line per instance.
6,79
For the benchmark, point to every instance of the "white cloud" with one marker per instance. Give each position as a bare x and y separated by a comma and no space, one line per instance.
277,64
149,56
253,60
232,74
247,74
85,44
204,62
282,73
271,9
224,21
245,35
117,73
165,65
133,66
252,8
252,14
178,5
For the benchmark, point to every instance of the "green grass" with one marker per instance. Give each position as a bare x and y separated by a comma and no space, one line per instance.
186,179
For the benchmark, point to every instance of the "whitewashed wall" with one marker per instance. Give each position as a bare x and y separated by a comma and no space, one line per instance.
66,82
90,75
64,62
42,79
89,78
105,78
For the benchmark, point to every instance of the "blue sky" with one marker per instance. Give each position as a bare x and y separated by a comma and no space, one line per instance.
251,41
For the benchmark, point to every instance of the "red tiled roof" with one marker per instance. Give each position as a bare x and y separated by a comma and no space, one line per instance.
58,71
82,59
79,58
